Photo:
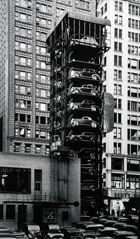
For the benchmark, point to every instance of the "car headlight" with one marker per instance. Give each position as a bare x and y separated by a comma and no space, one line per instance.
93,124
76,74
94,77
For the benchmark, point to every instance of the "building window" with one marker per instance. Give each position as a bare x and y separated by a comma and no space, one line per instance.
117,60
10,212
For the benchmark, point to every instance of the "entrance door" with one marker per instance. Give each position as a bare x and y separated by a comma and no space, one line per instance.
22,215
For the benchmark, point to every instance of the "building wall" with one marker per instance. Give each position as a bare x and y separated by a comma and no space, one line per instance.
123,142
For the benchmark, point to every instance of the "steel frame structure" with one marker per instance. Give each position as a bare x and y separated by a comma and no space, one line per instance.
76,46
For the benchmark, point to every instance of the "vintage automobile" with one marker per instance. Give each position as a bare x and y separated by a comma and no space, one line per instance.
70,232
85,40
107,231
84,136
122,234
86,89
84,105
31,230
83,73
84,121
51,230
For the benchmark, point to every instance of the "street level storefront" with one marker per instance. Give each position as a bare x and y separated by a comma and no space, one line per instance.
26,195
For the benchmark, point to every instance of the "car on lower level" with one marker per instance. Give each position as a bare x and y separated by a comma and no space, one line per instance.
84,136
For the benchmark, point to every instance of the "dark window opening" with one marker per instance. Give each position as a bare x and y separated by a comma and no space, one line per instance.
16,180
10,212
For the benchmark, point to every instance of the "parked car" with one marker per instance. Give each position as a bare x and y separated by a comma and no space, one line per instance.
4,230
122,234
6,236
124,219
70,232
107,231
120,225
84,121
86,89
109,223
31,230
51,230
20,235
83,73
84,105
131,228
84,136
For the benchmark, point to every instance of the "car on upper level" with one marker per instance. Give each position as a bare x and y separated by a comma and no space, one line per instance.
86,89
84,121
84,105
83,73
84,136
86,41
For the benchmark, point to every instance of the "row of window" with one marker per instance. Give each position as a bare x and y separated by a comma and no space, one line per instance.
118,19
133,106
134,50
23,104
23,17
118,118
133,134
117,75
117,89
82,4
38,149
133,120
42,93
133,78
25,75
133,64
118,6
44,8
22,46
43,22
23,118
134,37
134,10
117,103
104,9
117,133
118,46
26,104
118,33
133,92
23,32
133,23
23,131
133,149
23,3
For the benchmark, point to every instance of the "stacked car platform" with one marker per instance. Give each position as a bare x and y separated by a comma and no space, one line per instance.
76,48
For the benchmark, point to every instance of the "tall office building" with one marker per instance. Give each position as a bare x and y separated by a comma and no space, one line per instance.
122,78
24,106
